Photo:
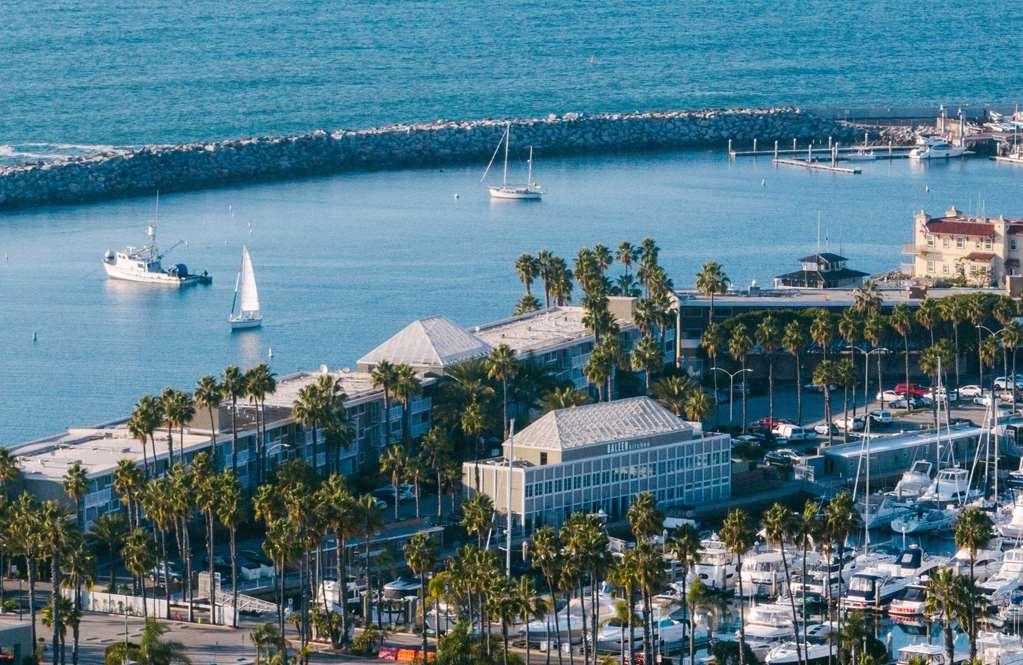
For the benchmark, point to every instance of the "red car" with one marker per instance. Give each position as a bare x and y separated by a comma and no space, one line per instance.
770,423
911,388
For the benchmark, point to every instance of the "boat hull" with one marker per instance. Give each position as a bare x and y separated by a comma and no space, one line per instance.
515,193
113,272
246,323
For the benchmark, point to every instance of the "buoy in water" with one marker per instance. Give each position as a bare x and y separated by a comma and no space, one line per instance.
456,196
35,336
270,352
763,182
927,188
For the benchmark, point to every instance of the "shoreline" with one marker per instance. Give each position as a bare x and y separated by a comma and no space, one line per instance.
204,165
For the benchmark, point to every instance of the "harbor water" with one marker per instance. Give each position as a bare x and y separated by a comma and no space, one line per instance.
342,262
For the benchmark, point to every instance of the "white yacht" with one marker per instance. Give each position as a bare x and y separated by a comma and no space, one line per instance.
883,509
246,297
143,264
987,562
999,648
910,602
931,654
937,148
1008,578
716,567
914,482
787,654
1013,529
763,573
768,626
530,191
951,485
923,521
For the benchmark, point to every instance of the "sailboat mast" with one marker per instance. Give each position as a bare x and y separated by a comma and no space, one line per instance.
529,174
507,132
237,281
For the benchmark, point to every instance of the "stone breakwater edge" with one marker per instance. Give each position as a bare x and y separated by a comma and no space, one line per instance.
174,168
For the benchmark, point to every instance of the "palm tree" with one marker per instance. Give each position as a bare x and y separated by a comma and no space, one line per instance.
712,341
988,352
529,606
671,392
138,427
821,332
27,535
698,406
421,556
874,331
182,501
393,462
528,268
932,360
230,512
647,358
624,575
902,322
307,410
845,376
438,451
841,518
807,528
779,527
340,516
55,532
207,492
737,536
139,558
264,637
545,554
1012,338
973,532
526,304
369,522
183,412
684,545
158,502
825,375
597,370
867,298
407,387
739,346
207,396
128,484
953,310
232,386
170,404
260,382
712,280
850,327
563,398
477,516
927,315
384,376
76,484
151,650
55,616
794,342
107,533
545,264
502,366
769,338
646,521
947,599
80,568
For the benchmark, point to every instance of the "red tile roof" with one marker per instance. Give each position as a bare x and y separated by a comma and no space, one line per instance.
960,228
980,256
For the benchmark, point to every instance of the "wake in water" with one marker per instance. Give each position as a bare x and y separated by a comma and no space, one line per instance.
21,153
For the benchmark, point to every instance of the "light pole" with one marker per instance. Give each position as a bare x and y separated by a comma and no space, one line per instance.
1005,363
866,375
731,387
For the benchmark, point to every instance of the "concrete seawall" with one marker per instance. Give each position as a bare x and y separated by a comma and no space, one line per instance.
190,166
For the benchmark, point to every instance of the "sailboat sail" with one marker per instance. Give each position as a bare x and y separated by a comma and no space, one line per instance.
248,296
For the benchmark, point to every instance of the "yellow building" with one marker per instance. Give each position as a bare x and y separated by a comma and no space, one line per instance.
973,251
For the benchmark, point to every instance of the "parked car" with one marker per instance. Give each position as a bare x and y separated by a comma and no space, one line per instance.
783,457
851,423
770,423
970,391
173,571
406,492
1006,383
823,429
910,388
941,394
881,417
901,403
791,432
888,396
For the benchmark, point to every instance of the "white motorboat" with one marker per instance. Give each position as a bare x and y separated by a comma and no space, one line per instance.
763,573
768,626
872,589
1008,578
931,654
883,509
987,561
923,521
914,482
787,654
716,567
951,485
1013,529
143,264
246,297
937,148
861,155
910,602
401,587
999,648
530,191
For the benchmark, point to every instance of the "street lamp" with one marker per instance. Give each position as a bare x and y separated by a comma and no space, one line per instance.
1005,364
731,387
866,375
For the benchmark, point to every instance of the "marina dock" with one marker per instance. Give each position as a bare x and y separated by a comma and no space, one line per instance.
817,166
831,152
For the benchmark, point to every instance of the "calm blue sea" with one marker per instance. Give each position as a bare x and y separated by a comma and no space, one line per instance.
342,262
79,73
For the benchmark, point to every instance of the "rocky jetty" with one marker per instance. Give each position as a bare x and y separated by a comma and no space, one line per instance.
143,171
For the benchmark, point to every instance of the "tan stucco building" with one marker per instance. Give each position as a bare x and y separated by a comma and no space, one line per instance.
978,251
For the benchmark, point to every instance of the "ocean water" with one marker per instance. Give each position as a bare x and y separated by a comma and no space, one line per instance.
76,74
343,262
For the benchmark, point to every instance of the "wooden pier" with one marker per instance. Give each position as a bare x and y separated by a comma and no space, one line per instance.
817,166
831,152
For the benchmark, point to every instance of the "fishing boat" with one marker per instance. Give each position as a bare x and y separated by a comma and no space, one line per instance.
951,485
245,311
144,264
528,192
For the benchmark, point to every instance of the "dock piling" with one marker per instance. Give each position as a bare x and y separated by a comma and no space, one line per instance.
730,153
829,143
754,146
794,145
776,148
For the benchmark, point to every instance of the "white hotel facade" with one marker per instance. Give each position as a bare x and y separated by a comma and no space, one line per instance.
599,457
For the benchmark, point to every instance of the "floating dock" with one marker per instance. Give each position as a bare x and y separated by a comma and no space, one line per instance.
1006,159
817,166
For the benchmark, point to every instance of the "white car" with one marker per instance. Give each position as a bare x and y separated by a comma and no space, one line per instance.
852,423
970,391
888,396
881,417
1005,383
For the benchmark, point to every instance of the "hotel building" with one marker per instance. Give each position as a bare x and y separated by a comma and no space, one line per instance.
598,457
978,251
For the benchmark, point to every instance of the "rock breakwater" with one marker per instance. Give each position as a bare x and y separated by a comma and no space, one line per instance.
142,171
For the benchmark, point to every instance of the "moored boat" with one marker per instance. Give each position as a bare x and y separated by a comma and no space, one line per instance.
144,264
246,297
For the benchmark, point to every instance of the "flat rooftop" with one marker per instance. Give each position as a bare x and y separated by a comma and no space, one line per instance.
98,449
904,440
358,386
544,330
815,297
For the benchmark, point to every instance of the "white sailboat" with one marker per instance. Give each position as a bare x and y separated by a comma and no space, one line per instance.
246,297
527,192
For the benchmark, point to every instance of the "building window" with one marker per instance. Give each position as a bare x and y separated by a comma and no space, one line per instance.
930,240
930,266
1012,244
944,243
960,242
944,268
543,459
987,243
